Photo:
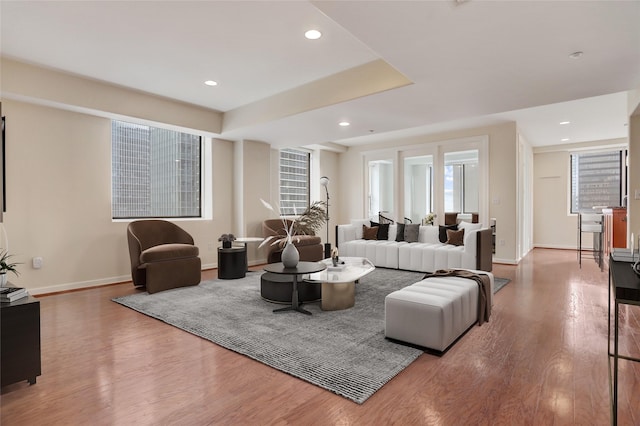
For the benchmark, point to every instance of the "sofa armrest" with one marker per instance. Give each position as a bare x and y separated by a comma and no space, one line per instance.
484,250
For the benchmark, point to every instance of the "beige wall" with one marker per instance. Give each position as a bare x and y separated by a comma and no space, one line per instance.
256,177
502,179
633,212
59,200
328,166
554,227
27,82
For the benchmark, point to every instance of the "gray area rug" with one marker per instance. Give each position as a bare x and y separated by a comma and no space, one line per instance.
498,283
341,351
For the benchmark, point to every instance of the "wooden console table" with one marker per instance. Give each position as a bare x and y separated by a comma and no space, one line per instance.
20,341
624,286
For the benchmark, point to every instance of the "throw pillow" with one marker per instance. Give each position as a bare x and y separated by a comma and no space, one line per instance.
383,230
369,233
411,232
393,231
384,219
400,233
455,238
443,232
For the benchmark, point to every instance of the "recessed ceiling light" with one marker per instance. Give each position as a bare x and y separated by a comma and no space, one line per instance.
564,139
564,122
344,123
211,83
313,34
576,55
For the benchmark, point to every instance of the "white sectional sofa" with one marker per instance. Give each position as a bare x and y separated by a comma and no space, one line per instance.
428,254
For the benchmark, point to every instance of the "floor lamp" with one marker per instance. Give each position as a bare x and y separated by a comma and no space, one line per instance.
324,181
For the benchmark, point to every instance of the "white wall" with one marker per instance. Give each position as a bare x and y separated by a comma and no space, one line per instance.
525,196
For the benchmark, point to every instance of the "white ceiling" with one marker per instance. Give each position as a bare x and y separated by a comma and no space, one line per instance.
470,63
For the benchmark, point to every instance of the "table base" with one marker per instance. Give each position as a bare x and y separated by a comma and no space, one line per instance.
338,296
292,308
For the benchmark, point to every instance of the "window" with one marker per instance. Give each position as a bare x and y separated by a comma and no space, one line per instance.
155,172
294,181
461,182
597,180
418,187
381,188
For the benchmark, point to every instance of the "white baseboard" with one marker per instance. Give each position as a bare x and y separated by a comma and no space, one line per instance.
505,261
559,247
80,285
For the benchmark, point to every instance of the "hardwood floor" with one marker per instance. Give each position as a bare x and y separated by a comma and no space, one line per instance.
540,360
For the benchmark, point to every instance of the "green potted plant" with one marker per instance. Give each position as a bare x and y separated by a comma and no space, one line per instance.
6,266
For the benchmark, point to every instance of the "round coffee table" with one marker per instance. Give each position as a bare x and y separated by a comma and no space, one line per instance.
339,283
301,269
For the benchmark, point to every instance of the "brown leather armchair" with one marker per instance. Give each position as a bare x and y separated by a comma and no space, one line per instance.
163,256
309,246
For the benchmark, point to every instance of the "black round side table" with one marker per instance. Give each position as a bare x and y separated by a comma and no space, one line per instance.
232,262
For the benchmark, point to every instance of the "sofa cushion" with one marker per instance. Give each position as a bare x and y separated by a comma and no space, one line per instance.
393,232
443,231
469,226
306,240
455,238
168,252
429,234
358,225
400,233
370,232
411,232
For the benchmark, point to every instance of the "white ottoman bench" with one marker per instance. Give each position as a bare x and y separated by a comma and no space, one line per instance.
433,312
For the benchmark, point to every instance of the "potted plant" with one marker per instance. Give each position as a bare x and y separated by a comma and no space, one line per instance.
290,255
227,239
6,266
312,219
428,220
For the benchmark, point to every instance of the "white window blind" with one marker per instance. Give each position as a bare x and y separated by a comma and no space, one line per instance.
294,181
596,180
155,172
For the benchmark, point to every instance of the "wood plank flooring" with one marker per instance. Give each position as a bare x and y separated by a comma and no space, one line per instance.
541,360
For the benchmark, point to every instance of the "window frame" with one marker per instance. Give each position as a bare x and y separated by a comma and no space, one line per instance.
291,211
204,148
622,184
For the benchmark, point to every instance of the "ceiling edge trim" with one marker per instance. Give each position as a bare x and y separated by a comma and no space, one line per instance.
373,77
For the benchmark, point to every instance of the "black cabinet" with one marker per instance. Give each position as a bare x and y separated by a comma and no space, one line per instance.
20,341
